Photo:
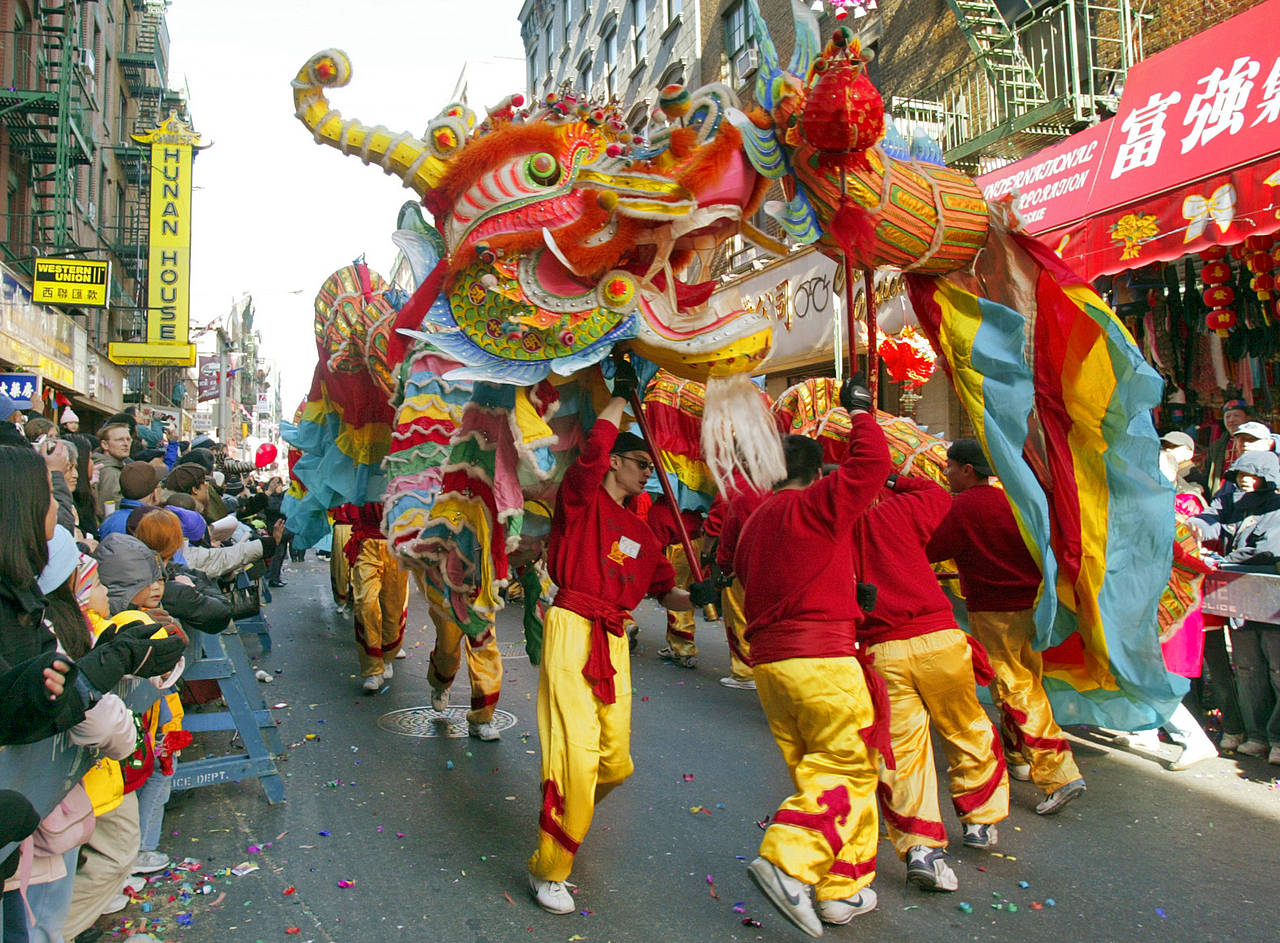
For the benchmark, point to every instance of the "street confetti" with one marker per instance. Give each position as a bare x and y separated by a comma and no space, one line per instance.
688,777
345,883
508,897
1163,915
289,890
324,833
749,922
711,886
740,907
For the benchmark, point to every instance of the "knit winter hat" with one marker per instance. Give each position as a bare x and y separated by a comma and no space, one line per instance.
68,416
63,557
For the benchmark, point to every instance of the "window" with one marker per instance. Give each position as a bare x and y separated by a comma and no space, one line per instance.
611,59
583,84
567,22
674,8
534,62
550,46
639,48
735,29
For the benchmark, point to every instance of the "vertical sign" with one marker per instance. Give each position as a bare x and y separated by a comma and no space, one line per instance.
173,145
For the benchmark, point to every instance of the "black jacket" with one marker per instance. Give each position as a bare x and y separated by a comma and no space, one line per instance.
202,607
27,647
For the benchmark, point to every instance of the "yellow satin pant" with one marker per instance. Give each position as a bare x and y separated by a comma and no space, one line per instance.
380,594
484,662
931,683
824,834
1030,734
586,744
681,625
339,569
735,632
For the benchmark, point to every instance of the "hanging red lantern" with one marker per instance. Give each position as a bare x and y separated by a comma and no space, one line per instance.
1257,243
1263,284
1219,296
843,114
1221,320
1238,252
1215,273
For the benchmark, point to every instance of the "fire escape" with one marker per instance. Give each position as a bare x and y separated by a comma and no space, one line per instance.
1052,71
43,109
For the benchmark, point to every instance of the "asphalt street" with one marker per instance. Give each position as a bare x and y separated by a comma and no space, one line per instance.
397,826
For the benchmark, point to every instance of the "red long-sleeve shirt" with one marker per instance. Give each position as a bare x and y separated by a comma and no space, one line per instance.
795,557
740,508
662,521
598,547
889,550
997,572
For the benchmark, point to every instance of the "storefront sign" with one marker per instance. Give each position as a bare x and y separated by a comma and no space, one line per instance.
207,386
72,282
173,146
32,335
1190,158
22,388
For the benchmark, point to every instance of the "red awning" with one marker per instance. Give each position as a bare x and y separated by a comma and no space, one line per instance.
1191,158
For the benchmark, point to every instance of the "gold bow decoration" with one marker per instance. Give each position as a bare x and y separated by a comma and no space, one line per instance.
1220,206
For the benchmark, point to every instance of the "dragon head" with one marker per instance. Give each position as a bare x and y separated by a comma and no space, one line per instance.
565,235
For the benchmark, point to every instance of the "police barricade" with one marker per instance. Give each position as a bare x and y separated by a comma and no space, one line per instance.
1243,594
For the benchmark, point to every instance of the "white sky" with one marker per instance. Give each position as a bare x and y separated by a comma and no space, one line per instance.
275,213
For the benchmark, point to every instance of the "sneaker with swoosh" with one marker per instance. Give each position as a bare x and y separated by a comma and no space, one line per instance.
790,895
842,911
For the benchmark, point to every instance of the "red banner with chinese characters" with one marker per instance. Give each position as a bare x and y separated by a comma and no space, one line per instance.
1194,142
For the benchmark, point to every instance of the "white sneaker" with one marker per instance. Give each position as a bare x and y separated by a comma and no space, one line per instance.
440,700
1139,739
401,653
372,684
927,868
1201,749
485,731
135,884
116,904
1252,748
552,896
388,672
1274,756
740,684
1020,771
842,911
790,895
1230,741
148,862
1054,802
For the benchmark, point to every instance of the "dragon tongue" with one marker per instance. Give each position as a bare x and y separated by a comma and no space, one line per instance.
687,295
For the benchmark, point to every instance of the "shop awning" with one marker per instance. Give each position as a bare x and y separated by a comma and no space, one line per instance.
1191,158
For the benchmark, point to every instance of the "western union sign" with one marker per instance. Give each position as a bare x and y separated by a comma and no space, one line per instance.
173,145
72,283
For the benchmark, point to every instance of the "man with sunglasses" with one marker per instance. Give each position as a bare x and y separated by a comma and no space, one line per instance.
604,561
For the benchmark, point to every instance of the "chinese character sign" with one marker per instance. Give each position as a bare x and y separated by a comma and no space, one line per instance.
22,388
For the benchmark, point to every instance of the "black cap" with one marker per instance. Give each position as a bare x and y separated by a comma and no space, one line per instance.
969,452
628,442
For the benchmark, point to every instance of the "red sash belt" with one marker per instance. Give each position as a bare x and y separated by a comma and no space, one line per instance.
876,735
604,617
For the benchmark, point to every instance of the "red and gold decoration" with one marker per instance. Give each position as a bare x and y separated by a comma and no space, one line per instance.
1218,294
908,358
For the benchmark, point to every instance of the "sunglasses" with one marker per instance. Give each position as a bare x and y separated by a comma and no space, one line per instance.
643,464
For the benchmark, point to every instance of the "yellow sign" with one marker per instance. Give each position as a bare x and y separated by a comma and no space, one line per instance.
72,282
169,262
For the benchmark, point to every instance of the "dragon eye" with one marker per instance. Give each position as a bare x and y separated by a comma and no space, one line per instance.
543,169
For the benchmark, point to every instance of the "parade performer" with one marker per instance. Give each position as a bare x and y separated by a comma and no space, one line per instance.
729,515
819,700
1000,582
604,560
379,592
484,662
339,567
681,648
929,668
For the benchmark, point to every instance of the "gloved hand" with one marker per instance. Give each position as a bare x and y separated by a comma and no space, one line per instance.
130,650
703,593
854,396
625,381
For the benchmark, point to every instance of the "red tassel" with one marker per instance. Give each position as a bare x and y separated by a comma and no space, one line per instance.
854,231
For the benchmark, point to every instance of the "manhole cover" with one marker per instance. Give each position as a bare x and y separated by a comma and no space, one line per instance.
426,722
512,650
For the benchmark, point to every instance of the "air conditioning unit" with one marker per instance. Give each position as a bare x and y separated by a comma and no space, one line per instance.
86,61
745,62
92,213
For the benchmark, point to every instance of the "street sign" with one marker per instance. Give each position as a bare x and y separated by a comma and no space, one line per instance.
22,388
72,282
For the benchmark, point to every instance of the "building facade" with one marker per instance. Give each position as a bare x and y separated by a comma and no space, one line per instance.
80,79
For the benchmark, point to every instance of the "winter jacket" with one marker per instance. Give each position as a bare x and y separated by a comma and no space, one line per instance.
108,482
66,501
201,607
27,647
126,566
217,562
1247,524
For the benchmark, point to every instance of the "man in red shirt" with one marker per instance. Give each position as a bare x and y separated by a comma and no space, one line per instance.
928,666
1000,581
604,561
795,560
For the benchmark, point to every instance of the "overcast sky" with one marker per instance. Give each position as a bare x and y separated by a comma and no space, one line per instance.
274,213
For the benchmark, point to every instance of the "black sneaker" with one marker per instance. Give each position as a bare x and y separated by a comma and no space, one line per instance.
1055,801
683,661
980,836
927,869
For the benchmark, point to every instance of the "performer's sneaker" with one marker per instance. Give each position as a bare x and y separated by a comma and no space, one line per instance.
842,911
1252,748
980,836
552,896
684,661
1230,742
927,869
485,731
1054,802
372,684
388,672
741,684
440,699
788,894
1020,771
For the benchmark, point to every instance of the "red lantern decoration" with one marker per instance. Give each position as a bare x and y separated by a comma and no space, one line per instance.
1263,284
1221,320
1215,273
1213,253
843,114
1219,296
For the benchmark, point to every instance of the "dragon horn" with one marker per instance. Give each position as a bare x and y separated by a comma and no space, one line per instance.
407,156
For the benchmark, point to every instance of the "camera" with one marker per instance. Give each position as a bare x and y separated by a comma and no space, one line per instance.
232,466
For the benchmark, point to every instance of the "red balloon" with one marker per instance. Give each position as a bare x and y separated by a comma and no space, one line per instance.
265,455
